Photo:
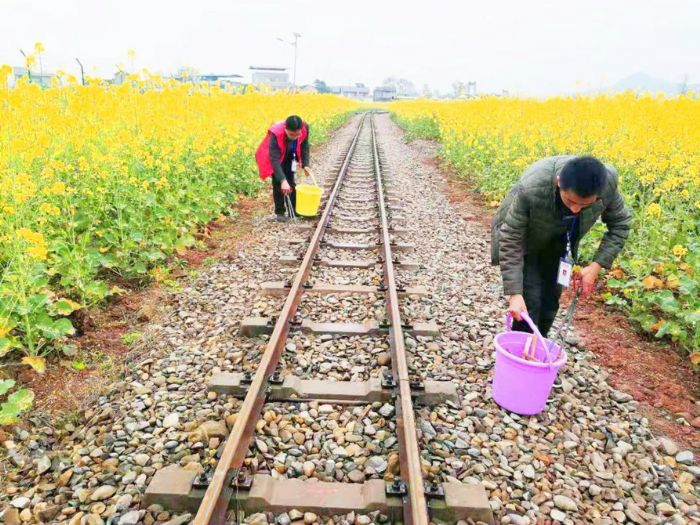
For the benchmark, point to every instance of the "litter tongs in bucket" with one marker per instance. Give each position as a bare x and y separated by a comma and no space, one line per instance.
530,348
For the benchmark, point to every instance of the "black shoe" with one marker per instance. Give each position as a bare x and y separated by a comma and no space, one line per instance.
281,218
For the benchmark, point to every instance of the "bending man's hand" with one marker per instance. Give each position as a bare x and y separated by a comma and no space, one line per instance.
516,305
585,282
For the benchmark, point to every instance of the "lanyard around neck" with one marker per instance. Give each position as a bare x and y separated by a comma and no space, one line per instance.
570,235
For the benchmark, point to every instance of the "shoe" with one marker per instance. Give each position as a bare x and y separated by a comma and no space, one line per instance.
281,218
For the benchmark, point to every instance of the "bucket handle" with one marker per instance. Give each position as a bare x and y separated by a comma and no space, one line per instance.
312,177
536,331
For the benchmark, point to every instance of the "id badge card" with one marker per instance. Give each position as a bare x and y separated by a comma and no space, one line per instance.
294,165
566,267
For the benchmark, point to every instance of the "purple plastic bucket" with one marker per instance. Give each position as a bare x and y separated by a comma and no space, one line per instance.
519,385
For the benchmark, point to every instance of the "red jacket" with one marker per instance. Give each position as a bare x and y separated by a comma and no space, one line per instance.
262,154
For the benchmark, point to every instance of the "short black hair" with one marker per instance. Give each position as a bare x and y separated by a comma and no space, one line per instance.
293,123
586,176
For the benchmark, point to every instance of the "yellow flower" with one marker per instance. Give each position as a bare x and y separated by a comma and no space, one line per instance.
5,327
5,72
50,209
679,250
37,251
57,188
30,236
654,210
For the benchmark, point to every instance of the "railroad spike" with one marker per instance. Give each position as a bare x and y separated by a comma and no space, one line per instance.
276,379
396,488
434,490
202,480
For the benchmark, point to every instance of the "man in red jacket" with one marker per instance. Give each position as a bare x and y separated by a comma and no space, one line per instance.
284,147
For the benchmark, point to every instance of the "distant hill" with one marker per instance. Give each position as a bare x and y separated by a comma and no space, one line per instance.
641,82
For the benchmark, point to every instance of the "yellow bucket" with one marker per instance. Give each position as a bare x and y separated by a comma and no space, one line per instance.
308,199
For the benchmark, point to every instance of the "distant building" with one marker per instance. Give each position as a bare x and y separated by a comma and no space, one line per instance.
275,77
384,94
44,80
359,91
213,79
221,80
307,88
119,78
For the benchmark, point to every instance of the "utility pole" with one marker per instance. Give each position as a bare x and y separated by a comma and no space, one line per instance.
295,46
82,72
29,71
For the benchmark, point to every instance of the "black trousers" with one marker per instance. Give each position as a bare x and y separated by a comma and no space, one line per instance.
540,290
278,196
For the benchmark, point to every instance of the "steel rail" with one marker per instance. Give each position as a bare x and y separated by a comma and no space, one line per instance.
415,506
214,505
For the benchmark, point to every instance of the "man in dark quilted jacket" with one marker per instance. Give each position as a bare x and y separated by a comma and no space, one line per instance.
554,204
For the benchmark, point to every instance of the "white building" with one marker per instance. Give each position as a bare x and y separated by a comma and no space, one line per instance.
275,77
359,91
43,80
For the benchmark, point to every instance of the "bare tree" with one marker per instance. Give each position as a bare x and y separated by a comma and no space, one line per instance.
404,87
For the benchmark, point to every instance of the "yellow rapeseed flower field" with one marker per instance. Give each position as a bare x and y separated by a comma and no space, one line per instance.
653,141
102,180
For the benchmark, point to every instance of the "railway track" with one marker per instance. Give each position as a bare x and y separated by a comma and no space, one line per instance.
360,230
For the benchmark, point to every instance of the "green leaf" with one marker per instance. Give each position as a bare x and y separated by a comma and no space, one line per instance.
647,321
64,326
185,241
96,290
666,301
69,350
688,285
615,283
154,255
671,328
55,329
7,344
16,403
6,385
78,365
37,362
37,301
131,338
615,300
65,307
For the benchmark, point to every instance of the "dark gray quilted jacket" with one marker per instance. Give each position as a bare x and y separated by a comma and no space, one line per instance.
527,221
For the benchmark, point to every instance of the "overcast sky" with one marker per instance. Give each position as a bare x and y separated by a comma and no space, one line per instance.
535,47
